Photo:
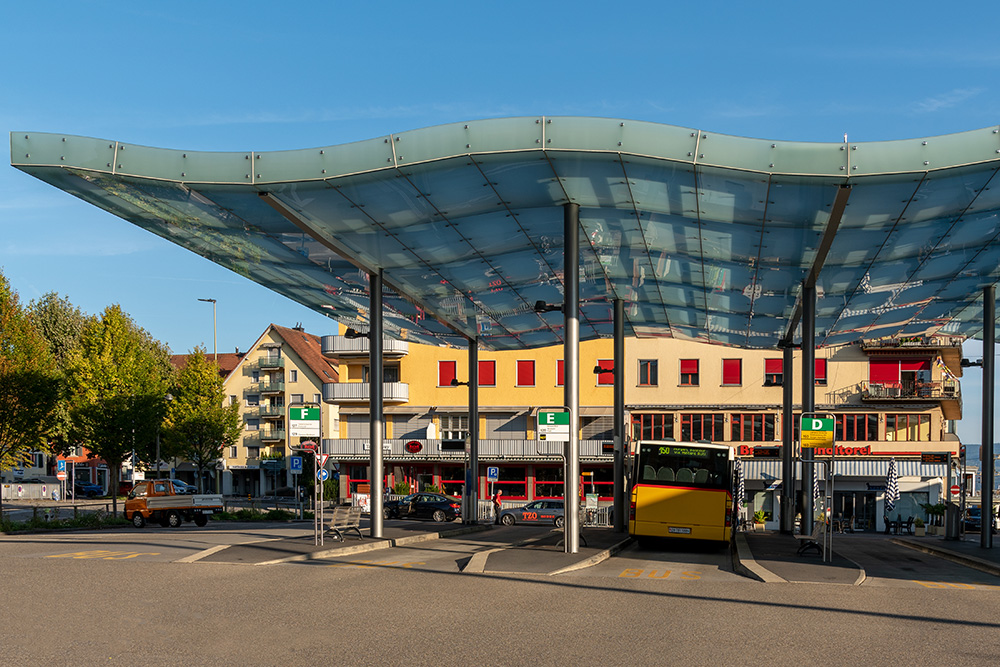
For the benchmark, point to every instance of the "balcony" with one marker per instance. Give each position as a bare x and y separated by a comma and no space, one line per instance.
948,347
270,387
947,392
268,362
272,434
342,347
489,449
268,412
358,392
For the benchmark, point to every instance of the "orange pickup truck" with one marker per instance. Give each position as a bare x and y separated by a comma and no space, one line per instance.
155,500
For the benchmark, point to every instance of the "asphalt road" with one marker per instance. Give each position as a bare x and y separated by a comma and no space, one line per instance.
122,598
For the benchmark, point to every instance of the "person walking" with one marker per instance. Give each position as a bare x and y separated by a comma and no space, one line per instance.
496,506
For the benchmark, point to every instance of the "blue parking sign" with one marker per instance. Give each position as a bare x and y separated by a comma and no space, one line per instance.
492,473
295,464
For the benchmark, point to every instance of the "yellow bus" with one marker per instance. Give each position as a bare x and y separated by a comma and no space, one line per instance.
682,491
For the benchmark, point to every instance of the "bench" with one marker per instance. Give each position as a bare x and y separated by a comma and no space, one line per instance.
344,519
812,541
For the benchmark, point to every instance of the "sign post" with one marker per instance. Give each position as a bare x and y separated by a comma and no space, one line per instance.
816,432
304,421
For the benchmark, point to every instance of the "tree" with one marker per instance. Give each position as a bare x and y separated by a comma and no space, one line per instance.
29,387
198,426
119,375
61,324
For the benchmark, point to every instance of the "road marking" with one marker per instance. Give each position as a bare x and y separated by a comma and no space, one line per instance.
634,573
105,554
964,587
202,554
368,564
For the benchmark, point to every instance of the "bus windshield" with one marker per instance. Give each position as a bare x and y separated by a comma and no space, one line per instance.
682,465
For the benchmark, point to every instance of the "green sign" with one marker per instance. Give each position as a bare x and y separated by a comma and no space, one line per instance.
816,431
303,422
553,426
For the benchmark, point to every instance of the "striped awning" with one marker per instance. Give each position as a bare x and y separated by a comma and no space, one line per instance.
769,470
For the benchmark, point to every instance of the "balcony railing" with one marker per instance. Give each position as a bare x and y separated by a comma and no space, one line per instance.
272,434
269,362
342,346
926,342
359,392
272,387
268,412
494,449
916,391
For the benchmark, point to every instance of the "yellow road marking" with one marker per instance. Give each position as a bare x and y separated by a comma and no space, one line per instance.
105,554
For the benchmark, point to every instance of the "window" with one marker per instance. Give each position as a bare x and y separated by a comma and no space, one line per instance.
857,428
298,398
255,376
548,482
732,372
653,426
317,398
560,373
232,399
234,451
452,480
488,373
695,427
820,377
253,400
447,372
389,374
600,481
689,372
253,424
915,428
526,373
774,372
513,482
752,427
253,452
607,374
454,427
648,373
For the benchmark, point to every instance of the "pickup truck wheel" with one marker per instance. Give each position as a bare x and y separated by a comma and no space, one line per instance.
174,520
138,520
201,520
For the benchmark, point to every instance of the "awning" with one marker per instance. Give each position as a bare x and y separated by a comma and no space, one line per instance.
769,470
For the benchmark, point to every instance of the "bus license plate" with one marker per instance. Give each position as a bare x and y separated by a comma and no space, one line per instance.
680,531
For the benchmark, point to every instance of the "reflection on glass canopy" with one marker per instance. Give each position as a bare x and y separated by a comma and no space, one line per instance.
704,236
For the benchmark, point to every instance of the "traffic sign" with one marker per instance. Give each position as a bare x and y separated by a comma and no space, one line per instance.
956,490
323,458
322,475
492,473
816,432
61,466
303,422
553,426
61,475
295,464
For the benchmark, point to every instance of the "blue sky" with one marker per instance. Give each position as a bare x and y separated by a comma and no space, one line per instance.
262,76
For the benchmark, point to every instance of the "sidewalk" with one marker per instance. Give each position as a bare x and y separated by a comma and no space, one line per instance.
965,552
771,557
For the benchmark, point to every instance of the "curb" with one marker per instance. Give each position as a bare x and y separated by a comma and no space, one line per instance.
382,543
593,560
980,564
744,563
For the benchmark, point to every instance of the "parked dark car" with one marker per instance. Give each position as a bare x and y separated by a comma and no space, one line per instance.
87,490
974,520
537,511
433,506
183,488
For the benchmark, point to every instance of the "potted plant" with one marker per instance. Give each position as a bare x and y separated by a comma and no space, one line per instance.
759,517
918,527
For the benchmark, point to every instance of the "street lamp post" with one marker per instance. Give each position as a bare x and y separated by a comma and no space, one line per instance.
215,330
169,398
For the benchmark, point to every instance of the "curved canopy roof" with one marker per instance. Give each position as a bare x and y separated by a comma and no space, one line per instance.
704,236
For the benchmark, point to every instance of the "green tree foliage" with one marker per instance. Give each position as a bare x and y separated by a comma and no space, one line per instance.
119,375
61,325
29,387
198,426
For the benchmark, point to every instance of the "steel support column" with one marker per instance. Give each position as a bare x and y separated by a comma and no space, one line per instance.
787,443
989,380
571,355
808,399
375,405
471,504
618,492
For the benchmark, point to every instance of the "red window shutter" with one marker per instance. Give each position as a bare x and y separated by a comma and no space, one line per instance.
526,373
689,365
915,365
883,371
446,372
731,371
820,369
607,374
560,373
487,373
774,366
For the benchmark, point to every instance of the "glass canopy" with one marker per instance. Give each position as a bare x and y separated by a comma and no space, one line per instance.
704,236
